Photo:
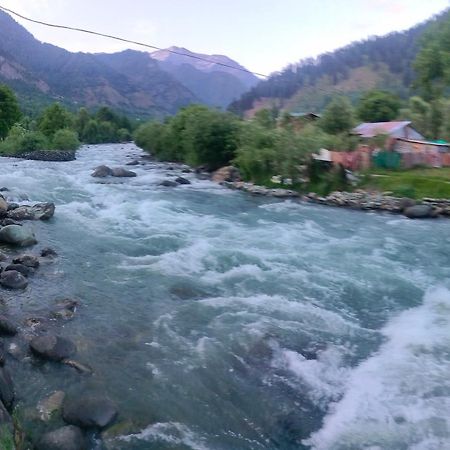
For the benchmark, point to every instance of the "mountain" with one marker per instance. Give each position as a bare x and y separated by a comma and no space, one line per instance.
130,81
377,63
213,83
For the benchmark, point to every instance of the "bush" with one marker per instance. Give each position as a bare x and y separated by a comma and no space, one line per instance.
65,140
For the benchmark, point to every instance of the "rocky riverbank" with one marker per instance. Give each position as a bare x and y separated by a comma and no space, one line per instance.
36,338
361,200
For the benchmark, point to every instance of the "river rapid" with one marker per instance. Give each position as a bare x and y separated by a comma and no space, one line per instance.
218,320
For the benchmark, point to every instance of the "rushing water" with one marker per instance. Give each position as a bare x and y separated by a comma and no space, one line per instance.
216,320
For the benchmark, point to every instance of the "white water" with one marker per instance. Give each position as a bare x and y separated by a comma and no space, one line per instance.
221,321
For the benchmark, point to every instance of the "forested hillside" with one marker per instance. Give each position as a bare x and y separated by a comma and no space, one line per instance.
376,63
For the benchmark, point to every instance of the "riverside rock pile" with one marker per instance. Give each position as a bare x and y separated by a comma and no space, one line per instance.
36,338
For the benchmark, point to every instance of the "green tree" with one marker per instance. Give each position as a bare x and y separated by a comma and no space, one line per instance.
65,140
54,118
433,61
337,117
378,106
9,110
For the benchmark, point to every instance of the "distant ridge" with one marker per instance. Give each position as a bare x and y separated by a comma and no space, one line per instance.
378,62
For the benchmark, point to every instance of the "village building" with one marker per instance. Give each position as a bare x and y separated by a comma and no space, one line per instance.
397,130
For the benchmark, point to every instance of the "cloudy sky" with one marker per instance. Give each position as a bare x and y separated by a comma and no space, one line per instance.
263,35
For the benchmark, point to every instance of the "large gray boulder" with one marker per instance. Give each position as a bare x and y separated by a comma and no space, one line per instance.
13,279
40,211
52,347
24,270
65,438
123,173
17,235
419,212
89,410
102,172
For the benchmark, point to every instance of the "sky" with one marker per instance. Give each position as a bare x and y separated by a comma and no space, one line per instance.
262,35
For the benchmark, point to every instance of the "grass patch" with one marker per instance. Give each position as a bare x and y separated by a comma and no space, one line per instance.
414,183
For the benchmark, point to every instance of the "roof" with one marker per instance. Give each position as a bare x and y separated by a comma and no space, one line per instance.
369,130
304,114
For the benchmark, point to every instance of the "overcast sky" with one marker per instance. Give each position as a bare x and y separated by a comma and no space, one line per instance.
263,35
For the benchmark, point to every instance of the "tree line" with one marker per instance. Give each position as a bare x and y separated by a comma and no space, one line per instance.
57,128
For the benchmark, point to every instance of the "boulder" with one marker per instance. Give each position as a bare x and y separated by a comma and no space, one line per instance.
17,235
50,405
52,348
24,270
135,162
65,438
181,180
89,410
40,211
406,202
123,173
6,389
168,183
3,206
13,279
48,252
7,326
101,172
419,212
65,309
227,173
28,261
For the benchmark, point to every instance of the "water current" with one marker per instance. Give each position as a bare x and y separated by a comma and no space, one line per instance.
218,320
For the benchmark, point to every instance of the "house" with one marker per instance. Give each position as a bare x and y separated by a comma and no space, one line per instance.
396,130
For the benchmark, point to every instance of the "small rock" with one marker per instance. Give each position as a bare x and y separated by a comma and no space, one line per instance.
3,205
181,180
4,189
102,172
7,326
17,235
228,173
89,410
48,406
82,368
65,309
123,173
47,251
418,212
168,183
13,280
24,270
27,260
406,202
135,162
40,211
6,389
65,438
52,348
8,221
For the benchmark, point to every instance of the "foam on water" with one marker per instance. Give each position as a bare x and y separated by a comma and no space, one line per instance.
220,320
399,398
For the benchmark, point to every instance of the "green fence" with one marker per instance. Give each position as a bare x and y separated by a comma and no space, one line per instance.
387,160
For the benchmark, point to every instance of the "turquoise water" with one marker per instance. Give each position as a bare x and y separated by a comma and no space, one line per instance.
216,320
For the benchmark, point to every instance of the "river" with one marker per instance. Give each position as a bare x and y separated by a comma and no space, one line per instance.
218,320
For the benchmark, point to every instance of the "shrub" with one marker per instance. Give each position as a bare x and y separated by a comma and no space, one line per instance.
65,140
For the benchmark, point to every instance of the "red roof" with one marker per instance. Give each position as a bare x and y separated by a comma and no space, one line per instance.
368,130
